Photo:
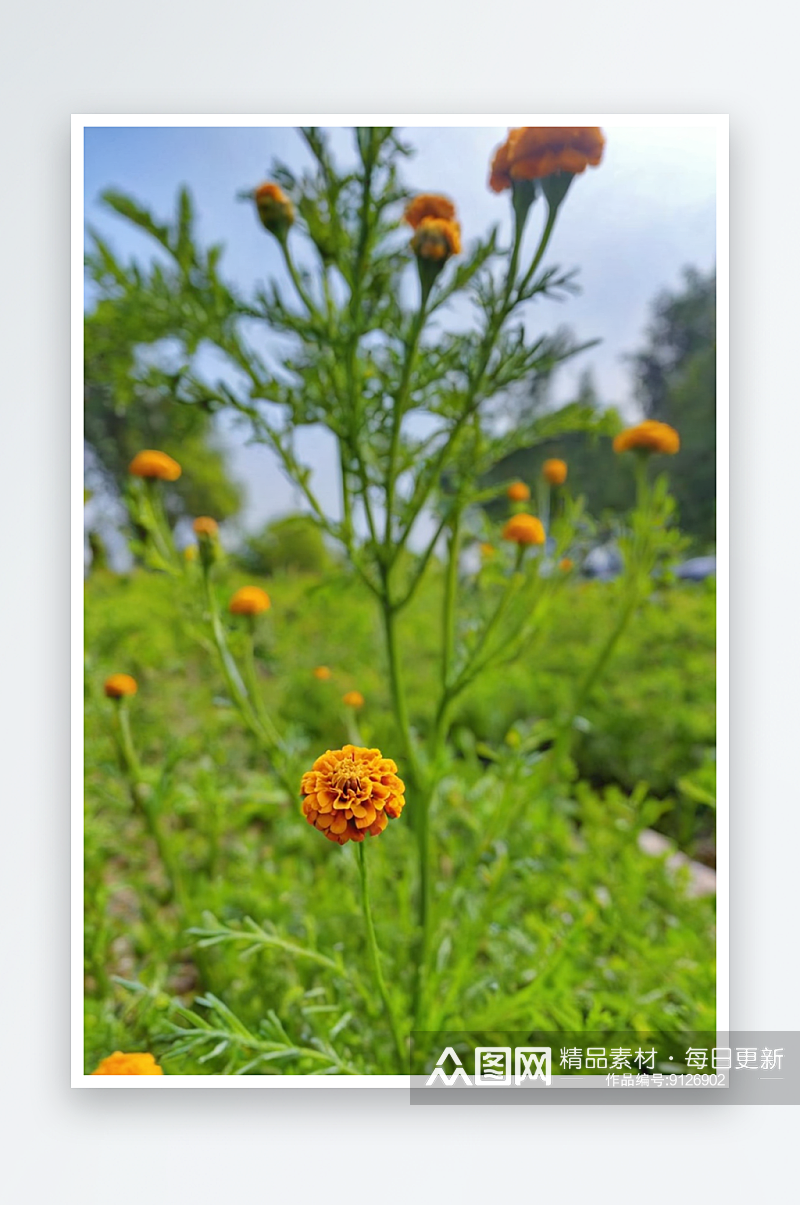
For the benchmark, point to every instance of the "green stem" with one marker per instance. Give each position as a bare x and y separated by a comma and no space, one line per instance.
449,604
375,958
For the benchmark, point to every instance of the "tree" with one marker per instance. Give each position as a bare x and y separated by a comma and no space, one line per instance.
676,383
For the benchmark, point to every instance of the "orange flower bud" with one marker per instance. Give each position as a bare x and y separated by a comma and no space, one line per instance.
565,564
350,792
487,550
554,472
524,529
154,464
428,205
436,239
128,1064
274,208
518,492
120,684
353,698
249,600
649,436
322,673
204,526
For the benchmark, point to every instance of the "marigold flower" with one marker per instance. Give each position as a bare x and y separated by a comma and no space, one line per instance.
120,684
204,526
353,698
249,600
428,205
487,550
128,1064
322,673
518,492
274,208
524,529
437,239
533,152
350,792
555,471
150,463
565,564
649,436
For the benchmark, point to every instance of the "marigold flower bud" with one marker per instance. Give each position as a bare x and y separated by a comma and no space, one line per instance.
535,152
518,492
524,529
275,210
204,526
249,600
128,1064
436,239
119,685
150,463
353,698
565,564
554,472
649,436
322,673
190,552
350,792
428,205
487,550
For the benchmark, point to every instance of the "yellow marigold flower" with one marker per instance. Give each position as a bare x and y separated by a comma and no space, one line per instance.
353,698
249,600
428,205
518,492
190,552
120,684
565,564
437,239
322,673
274,208
128,1064
350,792
524,529
533,152
204,526
555,471
649,436
154,464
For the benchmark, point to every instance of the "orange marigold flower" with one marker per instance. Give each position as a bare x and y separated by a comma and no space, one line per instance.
353,698
524,529
120,684
274,208
518,492
154,464
428,205
249,600
437,239
322,673
533,152
565,564
350,792
649,436
555,471
204,526
128,1064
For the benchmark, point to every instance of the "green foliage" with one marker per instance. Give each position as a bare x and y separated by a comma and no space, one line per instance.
294,542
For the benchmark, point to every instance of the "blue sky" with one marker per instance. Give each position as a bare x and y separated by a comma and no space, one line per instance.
630,225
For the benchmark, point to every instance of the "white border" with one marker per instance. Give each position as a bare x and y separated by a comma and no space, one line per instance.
720,123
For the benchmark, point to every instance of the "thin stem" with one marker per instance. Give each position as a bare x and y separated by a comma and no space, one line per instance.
375,957
449,602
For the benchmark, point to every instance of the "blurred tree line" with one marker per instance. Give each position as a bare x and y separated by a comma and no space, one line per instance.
674,382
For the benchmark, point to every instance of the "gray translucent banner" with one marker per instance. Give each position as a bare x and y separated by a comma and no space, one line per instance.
735,1068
